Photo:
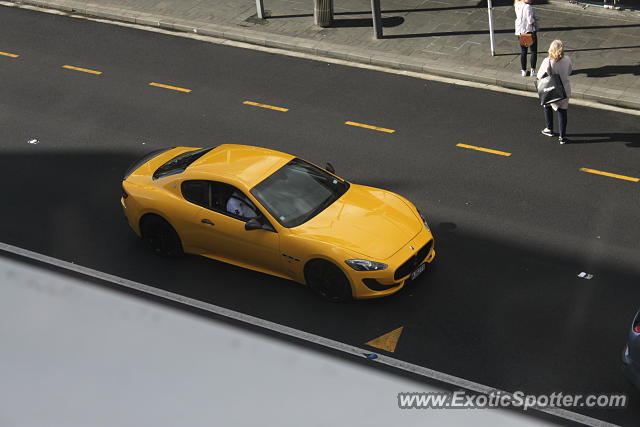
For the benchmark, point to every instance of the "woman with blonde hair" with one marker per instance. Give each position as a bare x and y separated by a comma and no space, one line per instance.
557,63
526,24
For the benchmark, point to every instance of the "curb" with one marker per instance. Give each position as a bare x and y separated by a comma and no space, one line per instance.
617,97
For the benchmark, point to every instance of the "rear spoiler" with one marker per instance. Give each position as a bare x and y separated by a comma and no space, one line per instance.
144,160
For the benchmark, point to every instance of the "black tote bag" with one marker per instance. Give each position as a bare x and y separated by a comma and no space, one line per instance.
550,88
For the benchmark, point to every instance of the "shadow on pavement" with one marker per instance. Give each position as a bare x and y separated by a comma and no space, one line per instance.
481,4
609,70
393,21
368,12
602,48
501,3
632,139
507,31
635,69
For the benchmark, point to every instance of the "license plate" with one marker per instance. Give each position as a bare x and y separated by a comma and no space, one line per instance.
418,271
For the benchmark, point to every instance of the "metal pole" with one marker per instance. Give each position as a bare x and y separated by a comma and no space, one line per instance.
377,19
491,37
323,13
260,8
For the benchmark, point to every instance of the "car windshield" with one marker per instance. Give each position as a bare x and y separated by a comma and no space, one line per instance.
180,163
298,191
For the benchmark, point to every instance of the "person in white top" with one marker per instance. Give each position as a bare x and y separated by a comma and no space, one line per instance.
526,23
557,63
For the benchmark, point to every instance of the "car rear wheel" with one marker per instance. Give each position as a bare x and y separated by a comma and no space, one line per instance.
328,281
160,236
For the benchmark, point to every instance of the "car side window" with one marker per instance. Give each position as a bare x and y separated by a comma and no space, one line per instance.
230,201
220,197
197,192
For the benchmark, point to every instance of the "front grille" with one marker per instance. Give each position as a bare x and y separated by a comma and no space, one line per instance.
413,262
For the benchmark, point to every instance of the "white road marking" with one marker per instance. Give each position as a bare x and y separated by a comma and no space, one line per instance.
286,330
584,275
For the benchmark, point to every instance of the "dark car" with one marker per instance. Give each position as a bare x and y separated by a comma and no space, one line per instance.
631,353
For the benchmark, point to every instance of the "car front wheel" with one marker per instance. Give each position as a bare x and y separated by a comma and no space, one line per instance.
328,281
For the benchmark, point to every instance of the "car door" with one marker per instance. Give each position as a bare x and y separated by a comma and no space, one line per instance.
185,216
223,235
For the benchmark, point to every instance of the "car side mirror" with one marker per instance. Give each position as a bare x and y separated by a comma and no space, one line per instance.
256,224
330,168
253,224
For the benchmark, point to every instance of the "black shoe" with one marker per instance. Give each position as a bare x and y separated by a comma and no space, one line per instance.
562,140
547,132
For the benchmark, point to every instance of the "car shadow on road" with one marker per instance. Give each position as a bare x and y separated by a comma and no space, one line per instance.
632,140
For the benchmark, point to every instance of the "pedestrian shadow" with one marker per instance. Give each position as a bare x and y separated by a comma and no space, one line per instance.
632,140
389,22
609,70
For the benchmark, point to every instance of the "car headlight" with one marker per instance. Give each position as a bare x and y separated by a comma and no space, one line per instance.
365,265
423,219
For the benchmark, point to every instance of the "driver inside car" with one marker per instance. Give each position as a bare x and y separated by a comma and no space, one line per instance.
237,206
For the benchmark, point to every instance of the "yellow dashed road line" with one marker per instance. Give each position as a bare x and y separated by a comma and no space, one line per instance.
84,70
360,125
270,107
179,89
486,150
610,175
10,55
380,129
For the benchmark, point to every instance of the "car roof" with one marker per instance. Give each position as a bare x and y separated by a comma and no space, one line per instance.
240,163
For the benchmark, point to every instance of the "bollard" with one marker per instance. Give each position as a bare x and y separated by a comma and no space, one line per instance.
323,12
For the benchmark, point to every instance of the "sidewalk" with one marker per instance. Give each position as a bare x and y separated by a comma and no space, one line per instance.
443,37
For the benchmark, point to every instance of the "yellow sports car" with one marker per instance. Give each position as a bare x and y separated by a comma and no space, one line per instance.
278,214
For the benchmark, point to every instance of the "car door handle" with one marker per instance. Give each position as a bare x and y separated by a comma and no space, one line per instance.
206,221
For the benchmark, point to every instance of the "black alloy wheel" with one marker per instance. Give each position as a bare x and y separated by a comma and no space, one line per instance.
328,281
160,236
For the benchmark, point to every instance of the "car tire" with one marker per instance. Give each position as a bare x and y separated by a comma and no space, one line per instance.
327,280
160,236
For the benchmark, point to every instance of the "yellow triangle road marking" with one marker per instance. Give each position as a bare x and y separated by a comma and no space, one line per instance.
387,341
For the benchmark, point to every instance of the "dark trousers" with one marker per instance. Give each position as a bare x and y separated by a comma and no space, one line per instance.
562,119
534,53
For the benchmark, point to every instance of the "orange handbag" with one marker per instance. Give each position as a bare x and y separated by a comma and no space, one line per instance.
525,39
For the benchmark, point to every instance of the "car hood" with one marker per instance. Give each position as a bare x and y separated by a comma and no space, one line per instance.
373,222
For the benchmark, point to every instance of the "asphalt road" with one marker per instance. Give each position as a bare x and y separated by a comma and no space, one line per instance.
502,305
